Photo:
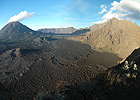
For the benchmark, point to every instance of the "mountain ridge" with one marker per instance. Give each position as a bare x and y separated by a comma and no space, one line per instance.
118,36
67,30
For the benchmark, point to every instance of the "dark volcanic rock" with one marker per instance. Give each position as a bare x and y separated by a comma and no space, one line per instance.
3,89
86,91
35,70
38,71
45,72
69,50
12,64
82,54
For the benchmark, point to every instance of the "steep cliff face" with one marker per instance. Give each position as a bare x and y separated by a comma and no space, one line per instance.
118,36
67,30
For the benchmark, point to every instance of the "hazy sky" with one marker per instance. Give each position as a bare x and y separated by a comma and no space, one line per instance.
38,14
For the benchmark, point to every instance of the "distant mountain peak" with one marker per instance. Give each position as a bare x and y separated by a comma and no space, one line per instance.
14,23
113,21
15,30
19,24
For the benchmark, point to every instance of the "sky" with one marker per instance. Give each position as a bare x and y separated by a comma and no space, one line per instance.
38,14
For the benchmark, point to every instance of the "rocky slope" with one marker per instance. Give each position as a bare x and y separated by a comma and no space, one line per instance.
118,36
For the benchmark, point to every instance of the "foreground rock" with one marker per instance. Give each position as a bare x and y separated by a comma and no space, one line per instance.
122,82
66,91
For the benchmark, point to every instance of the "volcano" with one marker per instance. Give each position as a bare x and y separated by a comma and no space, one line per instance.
16,31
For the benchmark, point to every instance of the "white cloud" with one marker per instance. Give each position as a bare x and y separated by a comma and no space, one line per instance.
136,0
103,7
22,15
99,22
128,9
58,14
74,19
